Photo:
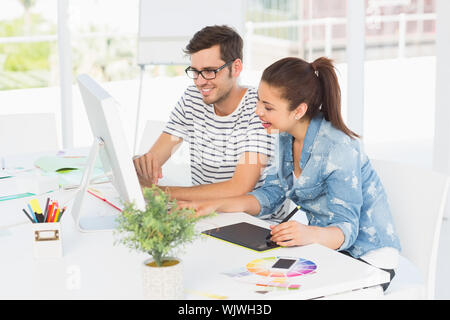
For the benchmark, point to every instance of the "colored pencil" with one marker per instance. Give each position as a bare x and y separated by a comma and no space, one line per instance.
28,216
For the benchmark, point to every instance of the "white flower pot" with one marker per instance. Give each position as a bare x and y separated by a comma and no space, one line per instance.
163,283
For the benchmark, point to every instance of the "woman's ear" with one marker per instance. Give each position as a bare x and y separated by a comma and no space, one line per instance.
300,111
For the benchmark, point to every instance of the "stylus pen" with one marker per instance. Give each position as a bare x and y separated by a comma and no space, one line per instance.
286,219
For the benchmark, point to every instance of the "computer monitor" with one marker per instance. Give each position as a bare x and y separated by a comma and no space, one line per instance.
110,143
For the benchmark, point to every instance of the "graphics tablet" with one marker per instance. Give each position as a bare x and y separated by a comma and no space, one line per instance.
244,234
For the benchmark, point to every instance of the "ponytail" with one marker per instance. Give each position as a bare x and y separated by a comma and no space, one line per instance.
315,84
331,94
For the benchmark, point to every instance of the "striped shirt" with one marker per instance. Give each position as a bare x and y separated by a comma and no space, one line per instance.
217,142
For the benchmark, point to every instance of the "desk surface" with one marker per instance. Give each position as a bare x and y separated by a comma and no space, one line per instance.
93,267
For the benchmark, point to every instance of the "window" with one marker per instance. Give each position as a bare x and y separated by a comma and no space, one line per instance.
104,35
28,48
400,78
399,60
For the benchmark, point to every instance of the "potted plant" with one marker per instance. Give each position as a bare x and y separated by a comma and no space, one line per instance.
158,230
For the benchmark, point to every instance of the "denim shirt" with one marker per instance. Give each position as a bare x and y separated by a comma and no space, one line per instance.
337,187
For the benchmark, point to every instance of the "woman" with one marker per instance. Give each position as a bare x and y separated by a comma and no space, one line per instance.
319,165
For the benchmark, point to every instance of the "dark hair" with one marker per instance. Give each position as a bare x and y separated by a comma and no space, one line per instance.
315,84
229,40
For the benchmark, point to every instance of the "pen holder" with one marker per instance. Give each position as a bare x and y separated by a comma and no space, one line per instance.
47,240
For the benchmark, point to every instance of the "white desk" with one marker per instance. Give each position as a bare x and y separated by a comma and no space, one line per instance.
335,273
93,267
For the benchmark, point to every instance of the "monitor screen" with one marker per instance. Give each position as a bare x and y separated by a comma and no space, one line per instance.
115,155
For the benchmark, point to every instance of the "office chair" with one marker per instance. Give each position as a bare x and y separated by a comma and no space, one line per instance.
417,198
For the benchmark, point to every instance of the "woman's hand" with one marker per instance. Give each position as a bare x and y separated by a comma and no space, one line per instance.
294,233
290,233
201,207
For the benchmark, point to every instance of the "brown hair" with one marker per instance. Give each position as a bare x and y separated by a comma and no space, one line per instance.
315,84
230,42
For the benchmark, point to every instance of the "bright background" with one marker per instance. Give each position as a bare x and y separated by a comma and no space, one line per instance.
399,68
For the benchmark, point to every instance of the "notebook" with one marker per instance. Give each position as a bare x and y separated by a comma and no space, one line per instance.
244,234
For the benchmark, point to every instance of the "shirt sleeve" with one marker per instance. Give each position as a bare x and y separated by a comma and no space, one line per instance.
271,195
177,124
344,191
258,140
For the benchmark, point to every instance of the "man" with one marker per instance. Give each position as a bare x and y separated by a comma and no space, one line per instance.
228,145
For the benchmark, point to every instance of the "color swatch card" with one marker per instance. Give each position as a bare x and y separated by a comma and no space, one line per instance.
266,278
262,267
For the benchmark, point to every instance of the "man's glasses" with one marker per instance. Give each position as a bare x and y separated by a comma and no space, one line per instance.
206,74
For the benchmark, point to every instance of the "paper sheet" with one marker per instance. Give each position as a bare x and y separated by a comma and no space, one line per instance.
63,164
24,184
4,174
73,178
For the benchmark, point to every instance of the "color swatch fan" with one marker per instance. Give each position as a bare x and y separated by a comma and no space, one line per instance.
274,274
262,267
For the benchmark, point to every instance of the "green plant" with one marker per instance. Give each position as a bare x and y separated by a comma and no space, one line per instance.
159,229
29,56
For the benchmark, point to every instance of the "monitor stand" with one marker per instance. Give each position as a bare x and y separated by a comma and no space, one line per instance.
89,213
